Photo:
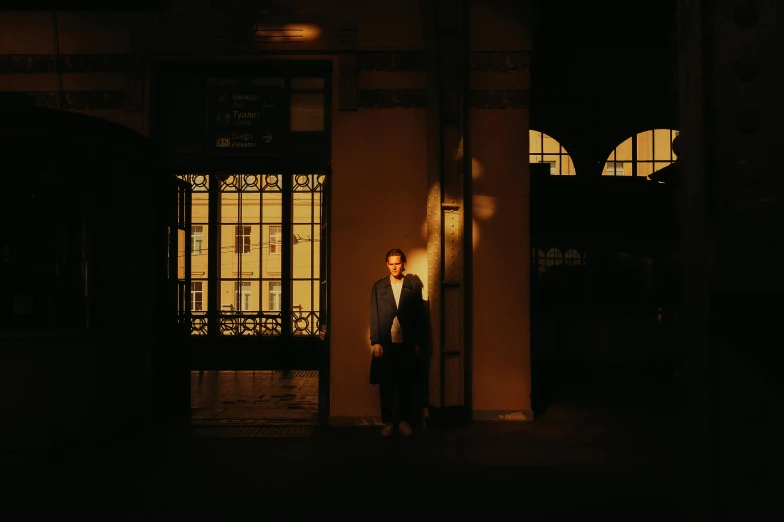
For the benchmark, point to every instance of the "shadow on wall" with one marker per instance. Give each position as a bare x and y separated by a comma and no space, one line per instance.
423,364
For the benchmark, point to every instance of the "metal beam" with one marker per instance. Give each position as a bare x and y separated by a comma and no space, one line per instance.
444,25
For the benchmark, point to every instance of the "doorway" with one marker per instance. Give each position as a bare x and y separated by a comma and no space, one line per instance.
252,141
257,288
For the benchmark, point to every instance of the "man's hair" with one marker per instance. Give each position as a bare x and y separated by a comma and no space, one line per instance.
395,252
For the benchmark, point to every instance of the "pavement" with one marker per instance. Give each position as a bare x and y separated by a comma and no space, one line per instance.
590,455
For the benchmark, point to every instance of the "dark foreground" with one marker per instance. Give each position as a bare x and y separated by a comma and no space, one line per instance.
587,457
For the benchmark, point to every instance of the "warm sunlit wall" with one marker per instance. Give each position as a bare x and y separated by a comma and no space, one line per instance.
378,202
501,378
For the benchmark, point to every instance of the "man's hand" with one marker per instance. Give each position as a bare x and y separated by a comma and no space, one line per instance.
378,350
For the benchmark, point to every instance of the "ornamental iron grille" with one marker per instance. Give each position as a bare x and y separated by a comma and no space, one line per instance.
256,257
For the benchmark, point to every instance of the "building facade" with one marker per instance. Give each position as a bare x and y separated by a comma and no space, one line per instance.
314,139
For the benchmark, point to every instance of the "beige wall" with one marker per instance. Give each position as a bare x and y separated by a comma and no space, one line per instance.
501,380
378,202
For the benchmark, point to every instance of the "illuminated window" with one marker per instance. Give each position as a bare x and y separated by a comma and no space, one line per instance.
544,149
197,296
242,239
642,155
274,296
197,239
275,238
242,295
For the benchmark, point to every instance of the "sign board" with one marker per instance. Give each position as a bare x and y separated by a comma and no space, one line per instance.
245,121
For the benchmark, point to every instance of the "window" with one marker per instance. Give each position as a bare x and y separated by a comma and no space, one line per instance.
642,154
554,257
282,212
614,168
197,238
242,239
274,296
242,296
197,297
573,258
544,149
275,237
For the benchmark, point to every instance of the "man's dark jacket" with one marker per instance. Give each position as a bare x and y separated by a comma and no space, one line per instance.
410,314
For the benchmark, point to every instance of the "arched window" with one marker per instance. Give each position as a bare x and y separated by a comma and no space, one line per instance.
642,155
573,258
544,149
554,257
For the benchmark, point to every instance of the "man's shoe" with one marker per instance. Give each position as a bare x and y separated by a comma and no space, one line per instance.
387,430
405,429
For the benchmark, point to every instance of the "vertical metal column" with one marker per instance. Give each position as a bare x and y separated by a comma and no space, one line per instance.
444,26
695,299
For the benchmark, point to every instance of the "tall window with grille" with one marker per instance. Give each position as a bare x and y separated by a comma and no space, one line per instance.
266,266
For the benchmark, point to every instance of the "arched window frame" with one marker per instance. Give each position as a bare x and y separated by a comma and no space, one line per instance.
642,158
537,153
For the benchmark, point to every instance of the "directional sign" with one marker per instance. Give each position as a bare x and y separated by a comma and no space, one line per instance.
245,121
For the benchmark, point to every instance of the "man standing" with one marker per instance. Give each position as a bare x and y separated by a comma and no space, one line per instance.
397,331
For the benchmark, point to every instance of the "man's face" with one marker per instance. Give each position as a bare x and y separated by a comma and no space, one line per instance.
395,266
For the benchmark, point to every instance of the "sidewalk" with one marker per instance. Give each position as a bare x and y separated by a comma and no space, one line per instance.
584,460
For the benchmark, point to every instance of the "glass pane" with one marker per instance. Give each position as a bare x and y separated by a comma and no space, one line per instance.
302,211
272,248
662,142
180,254
644,168
316,251
624,151
230,210
645,146
272,211
550,145
568,165
199,301
555,163
301,299
251,207
239,295
271,300
309,84
307,112
240,250
199,242
303,251
200,207
534,142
